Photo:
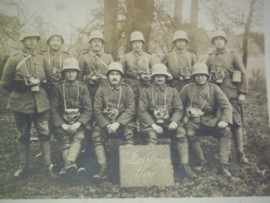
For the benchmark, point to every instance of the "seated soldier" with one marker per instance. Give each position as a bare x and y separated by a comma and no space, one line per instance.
161,111
71,109
114,113
201,102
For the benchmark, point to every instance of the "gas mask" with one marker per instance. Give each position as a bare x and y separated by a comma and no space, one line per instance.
33,81
218,75
146,76
161,115
71,115
95,77
194,112
185,73
56,74
111,113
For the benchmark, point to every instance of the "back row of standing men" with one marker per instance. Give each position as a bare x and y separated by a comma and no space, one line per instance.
165,105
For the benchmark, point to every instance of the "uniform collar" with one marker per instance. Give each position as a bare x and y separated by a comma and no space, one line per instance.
137,52
24,53
99,53
116,87
157,87
73,83
180,51
201,86
222,51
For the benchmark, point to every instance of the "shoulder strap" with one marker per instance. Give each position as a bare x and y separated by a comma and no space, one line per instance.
23,61
99,60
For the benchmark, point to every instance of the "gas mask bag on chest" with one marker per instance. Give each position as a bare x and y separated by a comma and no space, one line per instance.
111,113
33,81
193,112
71,115
161,115
56,74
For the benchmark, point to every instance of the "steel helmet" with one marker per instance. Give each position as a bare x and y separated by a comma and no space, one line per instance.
71,64
200,68
218,33
29,31
115,66
137,35
180,34
160,69
96,34
55,33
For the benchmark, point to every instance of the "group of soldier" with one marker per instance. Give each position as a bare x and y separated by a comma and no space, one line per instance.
94,98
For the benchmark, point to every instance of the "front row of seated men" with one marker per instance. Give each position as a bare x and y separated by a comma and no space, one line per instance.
162,110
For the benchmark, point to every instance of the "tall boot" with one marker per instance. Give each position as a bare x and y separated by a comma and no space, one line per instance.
182,148
102,161
45,146
196,147
239,145
129,136
224,148
24,156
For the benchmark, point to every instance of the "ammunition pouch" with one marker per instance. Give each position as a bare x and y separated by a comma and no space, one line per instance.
71,115
161,115
112,114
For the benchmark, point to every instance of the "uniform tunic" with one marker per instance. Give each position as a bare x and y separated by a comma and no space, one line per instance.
71,92
108,95
26,102
133,64
176,60
55,61
229,61
90,63
154,97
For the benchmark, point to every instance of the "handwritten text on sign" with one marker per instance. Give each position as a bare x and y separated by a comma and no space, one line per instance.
145,166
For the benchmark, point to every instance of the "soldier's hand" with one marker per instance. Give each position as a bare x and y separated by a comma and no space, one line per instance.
222,124
173,125
186,119
112,128
74,127
241,98
65,126
157,128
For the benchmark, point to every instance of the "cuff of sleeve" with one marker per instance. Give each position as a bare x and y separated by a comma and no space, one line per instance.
226,120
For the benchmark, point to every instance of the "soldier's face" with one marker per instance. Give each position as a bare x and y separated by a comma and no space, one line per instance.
219,42
137,45
55,42
159,79
96,44
71,75
30,42
115,77
200,79
180,44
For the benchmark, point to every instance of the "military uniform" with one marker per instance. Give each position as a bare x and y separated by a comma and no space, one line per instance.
120,97
89,64
134,63
77,97
28,106
208,98
228,61
179,64
55,61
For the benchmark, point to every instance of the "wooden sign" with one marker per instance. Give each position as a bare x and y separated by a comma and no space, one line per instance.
145,165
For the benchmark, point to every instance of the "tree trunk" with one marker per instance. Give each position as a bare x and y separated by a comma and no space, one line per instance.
194,25
177,16
110,27
246,33
139,18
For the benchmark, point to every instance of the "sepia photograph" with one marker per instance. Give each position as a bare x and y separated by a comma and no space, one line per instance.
135,99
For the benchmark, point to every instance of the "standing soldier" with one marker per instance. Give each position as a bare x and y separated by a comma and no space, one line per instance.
201,102
229,73
161,111
94,65
55,56
114,111
22,77
71,109
137,65
179,61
